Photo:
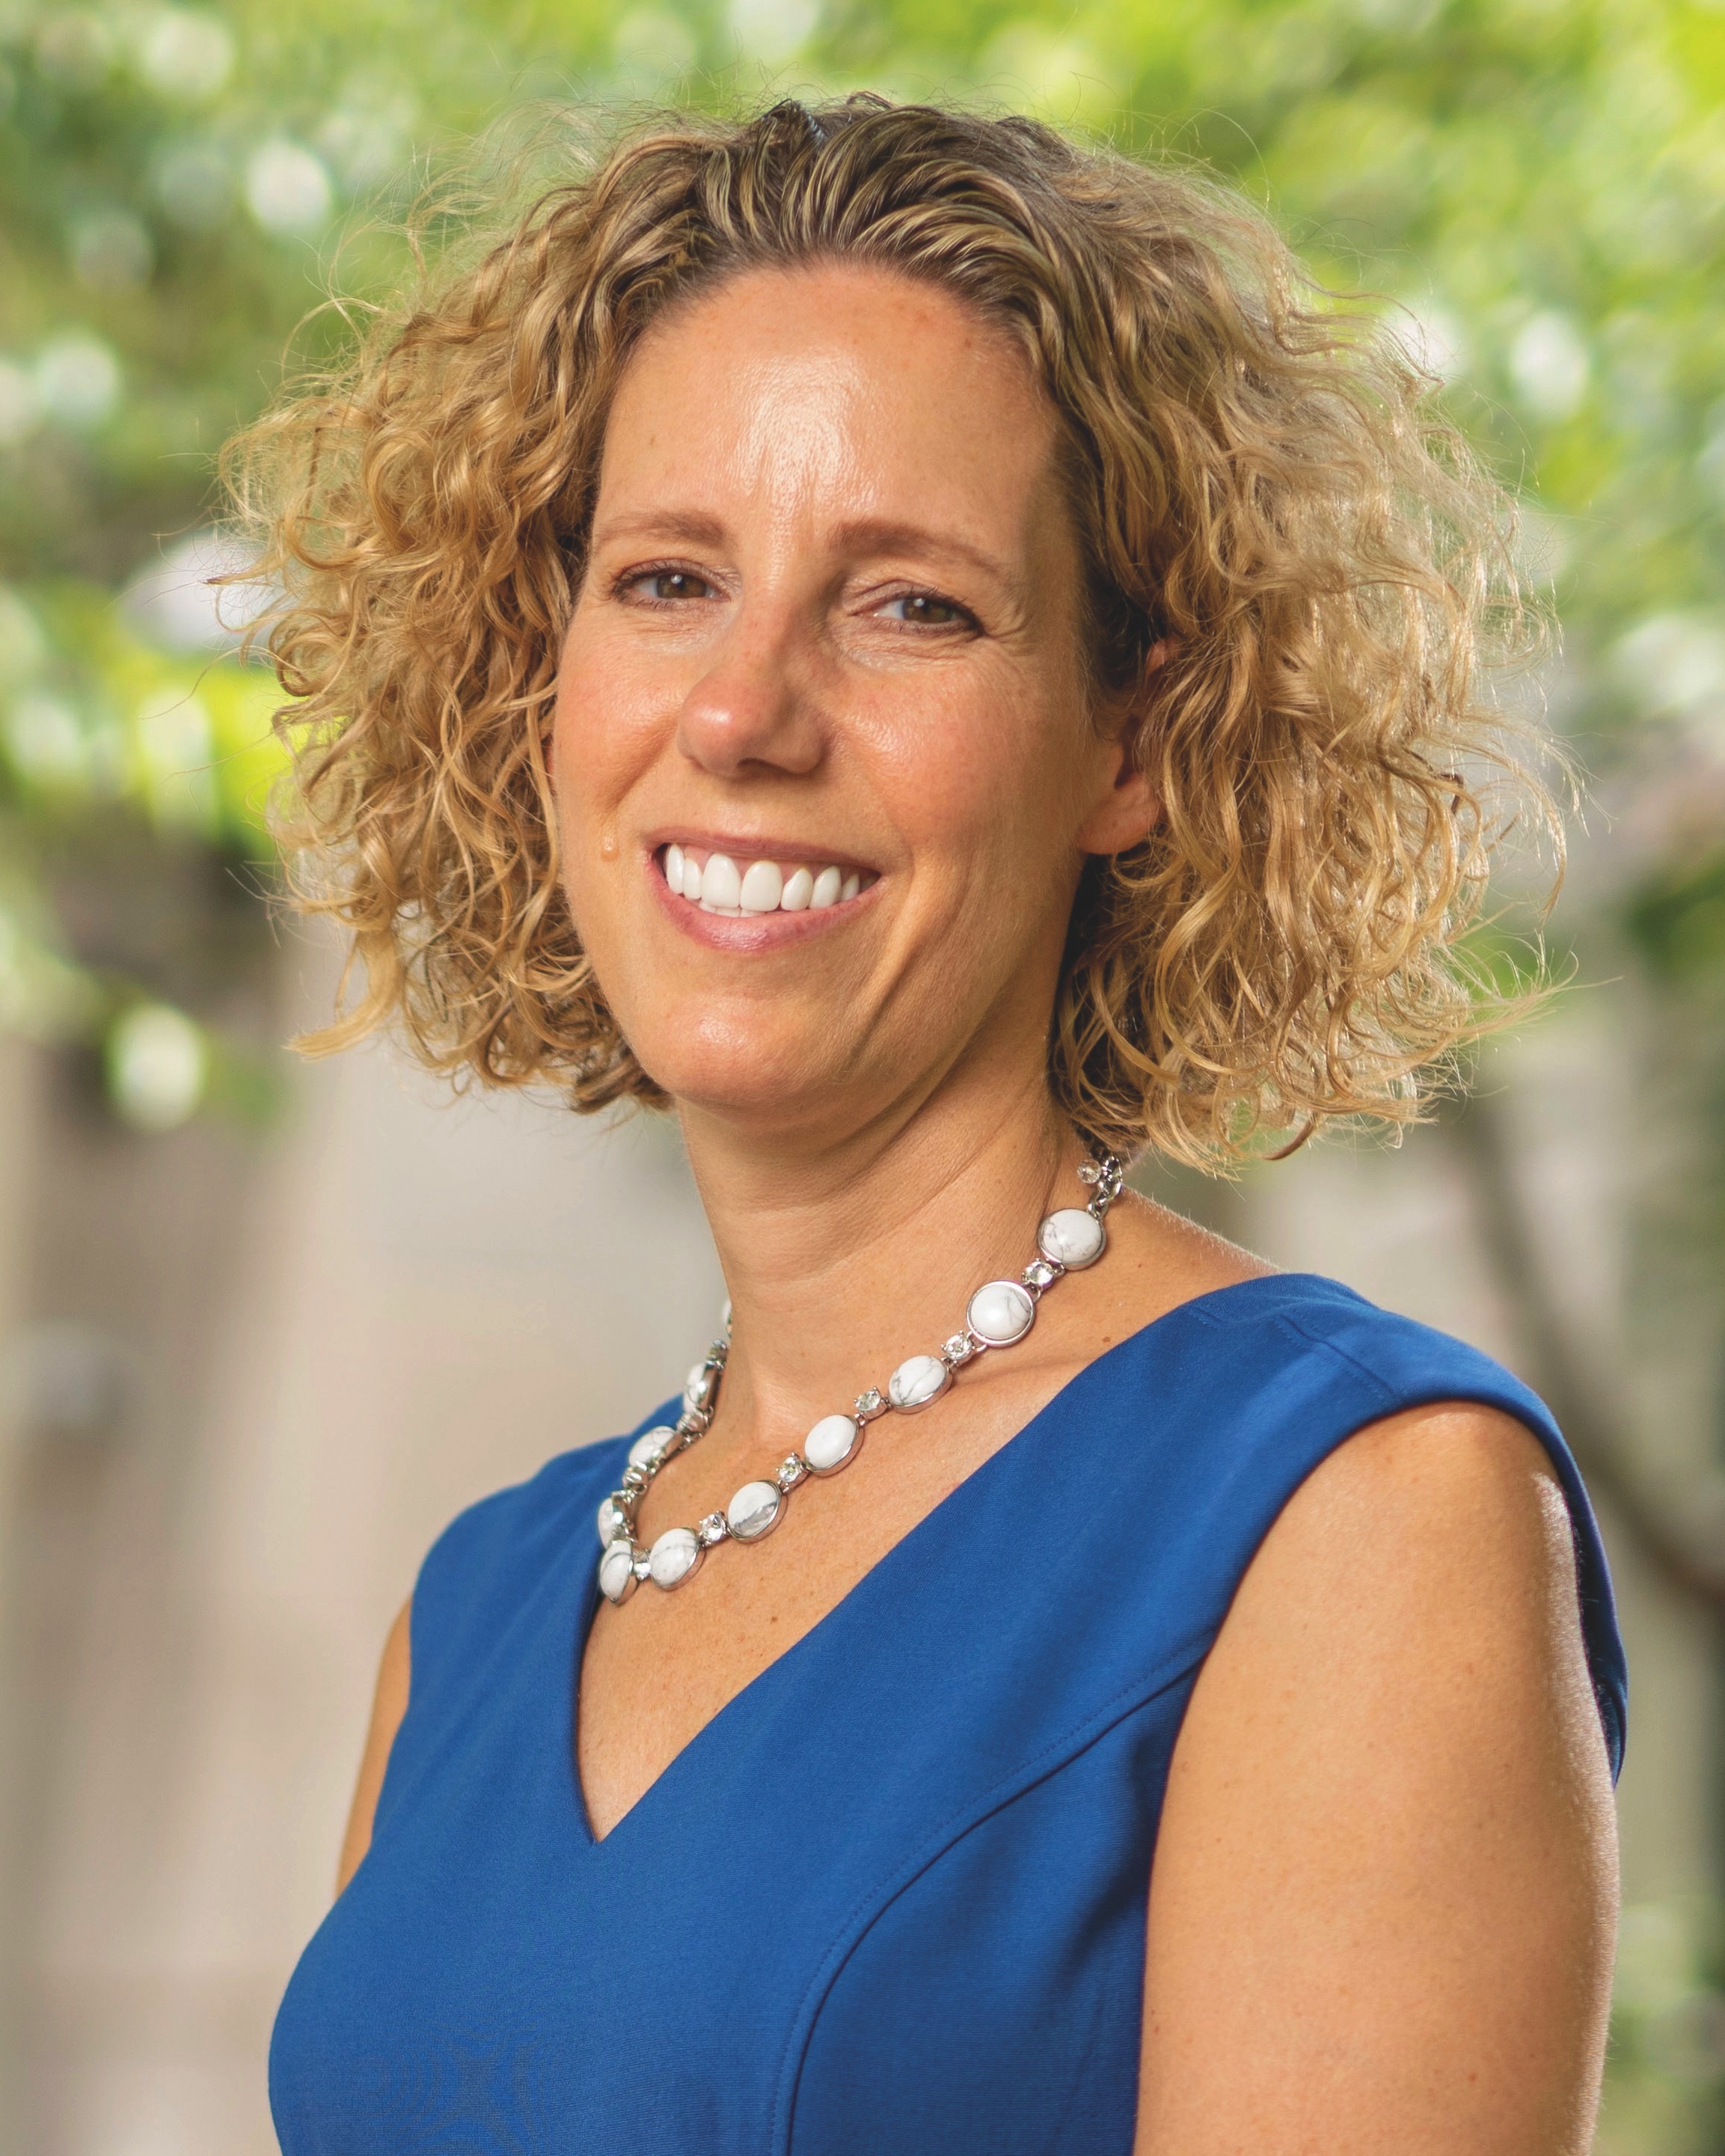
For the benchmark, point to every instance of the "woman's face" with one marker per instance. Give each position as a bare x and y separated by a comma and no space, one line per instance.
825,771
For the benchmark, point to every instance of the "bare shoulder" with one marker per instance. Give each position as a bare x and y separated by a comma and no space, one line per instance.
1425,1571
1454,1500
1387,1833
389,1705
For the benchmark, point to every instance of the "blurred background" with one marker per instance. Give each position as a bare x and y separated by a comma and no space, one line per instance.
265,1327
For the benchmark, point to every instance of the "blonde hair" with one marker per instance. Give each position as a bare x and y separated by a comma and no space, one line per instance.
1257,486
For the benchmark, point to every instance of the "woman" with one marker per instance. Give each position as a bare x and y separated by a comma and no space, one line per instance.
925,651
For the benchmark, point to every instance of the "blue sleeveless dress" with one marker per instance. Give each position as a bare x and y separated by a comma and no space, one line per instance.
892,1898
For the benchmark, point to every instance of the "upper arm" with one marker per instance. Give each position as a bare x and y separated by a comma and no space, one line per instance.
1381,1909
388,1705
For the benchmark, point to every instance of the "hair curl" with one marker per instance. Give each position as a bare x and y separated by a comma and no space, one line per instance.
1259,487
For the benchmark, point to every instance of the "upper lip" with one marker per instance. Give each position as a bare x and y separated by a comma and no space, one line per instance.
759,846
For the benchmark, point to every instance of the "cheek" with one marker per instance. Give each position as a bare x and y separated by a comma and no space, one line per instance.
989,787
601,734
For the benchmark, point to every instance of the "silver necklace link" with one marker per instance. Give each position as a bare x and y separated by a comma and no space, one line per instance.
999,1315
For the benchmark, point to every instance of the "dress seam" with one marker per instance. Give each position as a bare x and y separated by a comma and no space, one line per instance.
1054,1757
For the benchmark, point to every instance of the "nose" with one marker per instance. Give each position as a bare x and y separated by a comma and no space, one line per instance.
752,709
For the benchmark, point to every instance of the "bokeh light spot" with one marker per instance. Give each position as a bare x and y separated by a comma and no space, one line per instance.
158,1067
287,188
77,380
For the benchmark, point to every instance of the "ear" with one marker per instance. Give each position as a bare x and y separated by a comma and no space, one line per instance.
1125,814
547,730
1129,808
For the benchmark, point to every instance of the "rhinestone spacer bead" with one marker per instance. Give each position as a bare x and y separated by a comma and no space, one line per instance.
1089,1171
869,1405
1039,1274
959,1349
791,1471
714,1528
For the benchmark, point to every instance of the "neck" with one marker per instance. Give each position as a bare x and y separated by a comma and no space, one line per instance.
845,1256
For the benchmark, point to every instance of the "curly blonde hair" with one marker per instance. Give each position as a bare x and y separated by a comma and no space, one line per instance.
1258,486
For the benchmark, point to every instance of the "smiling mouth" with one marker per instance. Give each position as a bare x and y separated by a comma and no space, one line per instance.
745,889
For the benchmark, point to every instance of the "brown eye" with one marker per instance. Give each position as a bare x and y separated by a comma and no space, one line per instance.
925,611
673,584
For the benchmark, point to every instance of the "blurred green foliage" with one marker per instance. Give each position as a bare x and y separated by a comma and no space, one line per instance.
1667,2072
1539,183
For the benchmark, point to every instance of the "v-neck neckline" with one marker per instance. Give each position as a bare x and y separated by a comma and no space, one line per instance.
734,1708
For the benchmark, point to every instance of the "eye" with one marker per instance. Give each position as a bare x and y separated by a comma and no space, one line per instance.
928,610
667,586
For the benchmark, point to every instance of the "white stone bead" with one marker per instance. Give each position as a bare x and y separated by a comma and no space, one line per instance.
650,1443
1071,1238
692,879
754,1510
698,1387
612,1524
762,887
721,886
832,1444
1000,1312
826,886
798,890
617,1573
916,1381
851,886
674,1556
674,868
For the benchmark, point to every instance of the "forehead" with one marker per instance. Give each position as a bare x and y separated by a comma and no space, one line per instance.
844,388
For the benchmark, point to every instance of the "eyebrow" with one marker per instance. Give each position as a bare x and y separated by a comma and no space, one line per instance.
892,537
884,535
690,524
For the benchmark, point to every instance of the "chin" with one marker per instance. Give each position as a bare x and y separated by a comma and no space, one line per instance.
768,1076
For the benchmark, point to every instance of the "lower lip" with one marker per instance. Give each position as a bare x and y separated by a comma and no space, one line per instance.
752,931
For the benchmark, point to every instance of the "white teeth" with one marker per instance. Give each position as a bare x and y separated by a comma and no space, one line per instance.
721,886
763,888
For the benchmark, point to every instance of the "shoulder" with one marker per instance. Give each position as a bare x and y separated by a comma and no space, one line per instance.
1201,1299
1297,1352
1419,1597
1274,1397
1432,1513
535,1511
1390,1801
494,1555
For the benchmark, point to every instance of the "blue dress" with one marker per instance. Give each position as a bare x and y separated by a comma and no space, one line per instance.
892,1897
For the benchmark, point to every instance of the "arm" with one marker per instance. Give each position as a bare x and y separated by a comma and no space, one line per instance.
1382,1906
388,1705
